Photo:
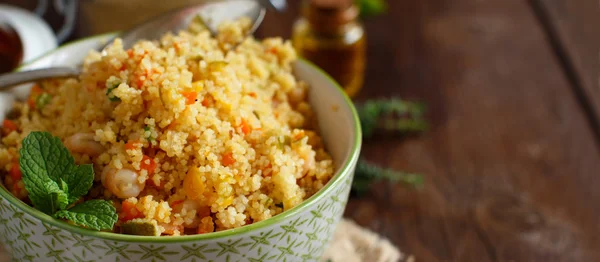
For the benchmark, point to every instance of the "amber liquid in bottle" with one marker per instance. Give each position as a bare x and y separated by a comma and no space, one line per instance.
333,39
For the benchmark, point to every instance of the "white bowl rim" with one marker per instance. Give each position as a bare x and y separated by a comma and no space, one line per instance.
339,177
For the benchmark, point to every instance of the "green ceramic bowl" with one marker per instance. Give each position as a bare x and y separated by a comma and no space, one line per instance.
299,234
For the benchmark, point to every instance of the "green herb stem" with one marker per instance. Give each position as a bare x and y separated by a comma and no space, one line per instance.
110,95
391,114
42,100
404,125
367,173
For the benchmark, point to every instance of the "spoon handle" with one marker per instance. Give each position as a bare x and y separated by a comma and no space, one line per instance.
9,80
277,5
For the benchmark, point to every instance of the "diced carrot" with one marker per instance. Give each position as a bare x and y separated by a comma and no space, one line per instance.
172,125
227,159
31,102
148,164
201,230
139,82
36,90
15,172
207,101
123,67
206,225
129,211
190,97
252,94
131,145
130,53
9,126
246,129
272,50
151,152
203,211
299,135
176,203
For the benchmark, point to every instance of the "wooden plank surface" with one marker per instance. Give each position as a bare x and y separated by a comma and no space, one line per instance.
574,26
511,159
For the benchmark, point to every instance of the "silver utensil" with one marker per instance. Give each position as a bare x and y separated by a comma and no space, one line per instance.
277,5
212,14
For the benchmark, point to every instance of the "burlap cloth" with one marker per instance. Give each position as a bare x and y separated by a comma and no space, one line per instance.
351,243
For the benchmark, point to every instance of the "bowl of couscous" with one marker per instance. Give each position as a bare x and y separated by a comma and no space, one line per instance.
188,148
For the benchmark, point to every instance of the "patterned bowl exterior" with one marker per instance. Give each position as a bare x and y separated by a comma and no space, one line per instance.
300,234
302,237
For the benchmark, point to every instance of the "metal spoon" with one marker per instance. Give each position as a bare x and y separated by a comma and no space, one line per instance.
212,14
278,5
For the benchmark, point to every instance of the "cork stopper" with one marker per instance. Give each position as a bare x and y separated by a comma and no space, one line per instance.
327,15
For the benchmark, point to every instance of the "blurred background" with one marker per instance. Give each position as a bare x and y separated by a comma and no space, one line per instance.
512,152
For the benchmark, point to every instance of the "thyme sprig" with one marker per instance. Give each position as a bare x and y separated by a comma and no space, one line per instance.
395,115
368,173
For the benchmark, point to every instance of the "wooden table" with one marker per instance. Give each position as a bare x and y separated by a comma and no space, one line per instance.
514,104
511,158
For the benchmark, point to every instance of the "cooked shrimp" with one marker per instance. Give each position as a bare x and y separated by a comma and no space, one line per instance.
123,183
84,143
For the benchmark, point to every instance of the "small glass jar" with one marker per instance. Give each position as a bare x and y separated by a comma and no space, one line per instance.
330,34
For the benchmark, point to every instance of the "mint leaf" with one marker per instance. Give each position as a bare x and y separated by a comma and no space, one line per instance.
79,180
44,158
54,182
93,214
43,155
42,192
62,196
63,186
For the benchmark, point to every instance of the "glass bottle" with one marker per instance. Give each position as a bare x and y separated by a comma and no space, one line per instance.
330,34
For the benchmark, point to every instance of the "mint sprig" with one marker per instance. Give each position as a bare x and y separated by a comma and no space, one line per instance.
54,183
93,214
